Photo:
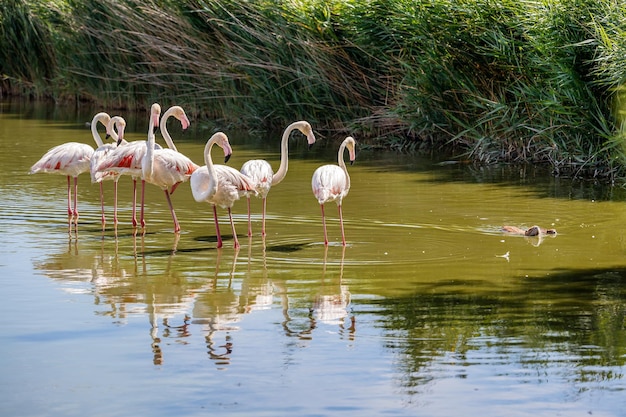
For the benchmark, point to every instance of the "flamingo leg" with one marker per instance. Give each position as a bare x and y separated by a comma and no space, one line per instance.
115,200
76,200
263,227
324,224
134,202
169,202
343,236
249,220
143,193
69,197
104,220
232,224
217,227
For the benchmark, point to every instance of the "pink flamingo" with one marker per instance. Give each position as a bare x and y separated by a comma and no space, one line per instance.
219,185
165,168
127,160
261,173
332,183
102,151
71,159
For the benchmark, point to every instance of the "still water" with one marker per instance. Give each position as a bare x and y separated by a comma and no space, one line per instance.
430,310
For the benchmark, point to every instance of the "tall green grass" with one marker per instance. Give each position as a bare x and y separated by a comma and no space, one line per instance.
497,80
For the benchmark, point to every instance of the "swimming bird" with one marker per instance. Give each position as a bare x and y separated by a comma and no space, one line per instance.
261,173
332,183
219,185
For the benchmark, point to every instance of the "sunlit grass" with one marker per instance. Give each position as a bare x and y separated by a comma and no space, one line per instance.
498,80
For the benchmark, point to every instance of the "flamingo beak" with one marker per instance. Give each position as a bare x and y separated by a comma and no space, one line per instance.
310,139
226,158
310,146
119,141
185,123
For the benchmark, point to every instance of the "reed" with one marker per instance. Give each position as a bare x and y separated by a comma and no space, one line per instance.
497,80
26,54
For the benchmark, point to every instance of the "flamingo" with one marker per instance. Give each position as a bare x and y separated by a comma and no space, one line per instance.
261,173
332,183
101,152
70,159
165,168
219,185
127,159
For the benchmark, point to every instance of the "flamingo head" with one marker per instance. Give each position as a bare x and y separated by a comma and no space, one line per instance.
179,113
307,131
155,112
221,140
351,145
120,124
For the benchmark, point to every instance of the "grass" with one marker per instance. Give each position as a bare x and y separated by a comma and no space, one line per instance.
495,80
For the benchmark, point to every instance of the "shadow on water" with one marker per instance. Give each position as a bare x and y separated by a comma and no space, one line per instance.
213,238
288,248
580,316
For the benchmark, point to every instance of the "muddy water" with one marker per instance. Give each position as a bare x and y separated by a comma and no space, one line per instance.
429,310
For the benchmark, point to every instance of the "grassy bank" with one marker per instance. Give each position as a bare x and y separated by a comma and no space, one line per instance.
499,80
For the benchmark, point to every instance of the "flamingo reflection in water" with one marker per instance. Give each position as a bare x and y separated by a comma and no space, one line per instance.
160,304
330,307
257,294
217,310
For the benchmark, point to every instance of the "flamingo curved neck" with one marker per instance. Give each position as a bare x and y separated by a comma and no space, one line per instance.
284,154
102,118
111,129
148,158
208,161
342,164
165,132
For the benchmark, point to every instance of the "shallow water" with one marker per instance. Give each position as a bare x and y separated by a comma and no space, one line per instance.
430,310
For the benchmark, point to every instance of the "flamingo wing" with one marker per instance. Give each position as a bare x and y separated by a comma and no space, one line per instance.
242,183
231,186
329,184
100,155
171,167
260,172
70,158
125,159
199,183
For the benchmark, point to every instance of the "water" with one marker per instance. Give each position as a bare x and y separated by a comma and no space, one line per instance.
430,310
